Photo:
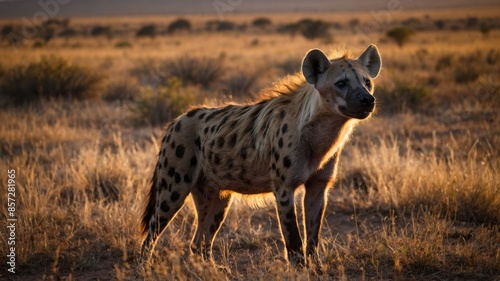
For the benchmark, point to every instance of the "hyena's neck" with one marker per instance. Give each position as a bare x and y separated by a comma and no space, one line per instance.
324,137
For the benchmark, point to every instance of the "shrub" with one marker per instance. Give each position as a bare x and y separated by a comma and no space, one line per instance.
261,22
179,25
121,90
156,106
444,62
38,44
485,29
289,66
147,31
240,84
220,25
123,44
99,30
201,71
400,35
314,29
68,32
6,30
439,24
51,77
466,74
402,96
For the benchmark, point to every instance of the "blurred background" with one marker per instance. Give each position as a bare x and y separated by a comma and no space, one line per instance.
86,88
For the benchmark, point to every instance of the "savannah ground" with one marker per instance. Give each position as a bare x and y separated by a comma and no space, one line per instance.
418,189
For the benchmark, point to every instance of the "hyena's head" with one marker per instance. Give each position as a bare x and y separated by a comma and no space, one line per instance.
345,85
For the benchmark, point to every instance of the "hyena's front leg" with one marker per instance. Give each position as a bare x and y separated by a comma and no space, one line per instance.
315,201
288,223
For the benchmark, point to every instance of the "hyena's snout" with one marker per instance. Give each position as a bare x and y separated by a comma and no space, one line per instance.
367,102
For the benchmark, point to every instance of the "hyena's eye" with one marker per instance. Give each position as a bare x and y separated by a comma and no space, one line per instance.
341,84
368,83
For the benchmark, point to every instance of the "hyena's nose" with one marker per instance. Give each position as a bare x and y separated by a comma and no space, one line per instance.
367,100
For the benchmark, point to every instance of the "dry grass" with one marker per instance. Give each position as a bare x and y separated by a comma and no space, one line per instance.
418,192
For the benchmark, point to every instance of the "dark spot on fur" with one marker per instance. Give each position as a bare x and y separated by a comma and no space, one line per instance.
163,184
201,115
205,131
165,162
273,167
220,142
187,178
164,207
197,142
193,112
230,164
172,145
282,114
224,120
212,129
243,153
213,114
280,143
232,140
276,156
179,151
175,196
177,178
286,162
233,124
193,161
284,128
168,139
178,126
216,159
171,172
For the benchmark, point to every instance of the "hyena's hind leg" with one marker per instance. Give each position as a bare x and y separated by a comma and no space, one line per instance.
211,212
166,198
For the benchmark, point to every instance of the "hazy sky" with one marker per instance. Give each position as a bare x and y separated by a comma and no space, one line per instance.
28,8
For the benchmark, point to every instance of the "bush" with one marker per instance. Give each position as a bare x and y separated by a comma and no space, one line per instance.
6,30
179,25
201,71
220,25
147,31
51,77
444,62
123,44
156,106
261,22
466,74
401,97
401,35
68,32
314,29
99,30
240,84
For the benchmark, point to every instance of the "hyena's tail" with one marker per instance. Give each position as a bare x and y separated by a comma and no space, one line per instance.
150,206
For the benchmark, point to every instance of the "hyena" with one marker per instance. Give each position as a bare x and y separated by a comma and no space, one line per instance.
291,138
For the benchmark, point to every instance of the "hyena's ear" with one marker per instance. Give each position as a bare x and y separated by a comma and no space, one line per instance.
314,64
371,60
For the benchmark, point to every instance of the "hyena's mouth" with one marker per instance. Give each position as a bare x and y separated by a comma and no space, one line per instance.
358,113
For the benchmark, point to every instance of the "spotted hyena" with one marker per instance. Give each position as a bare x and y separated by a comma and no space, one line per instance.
290,138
